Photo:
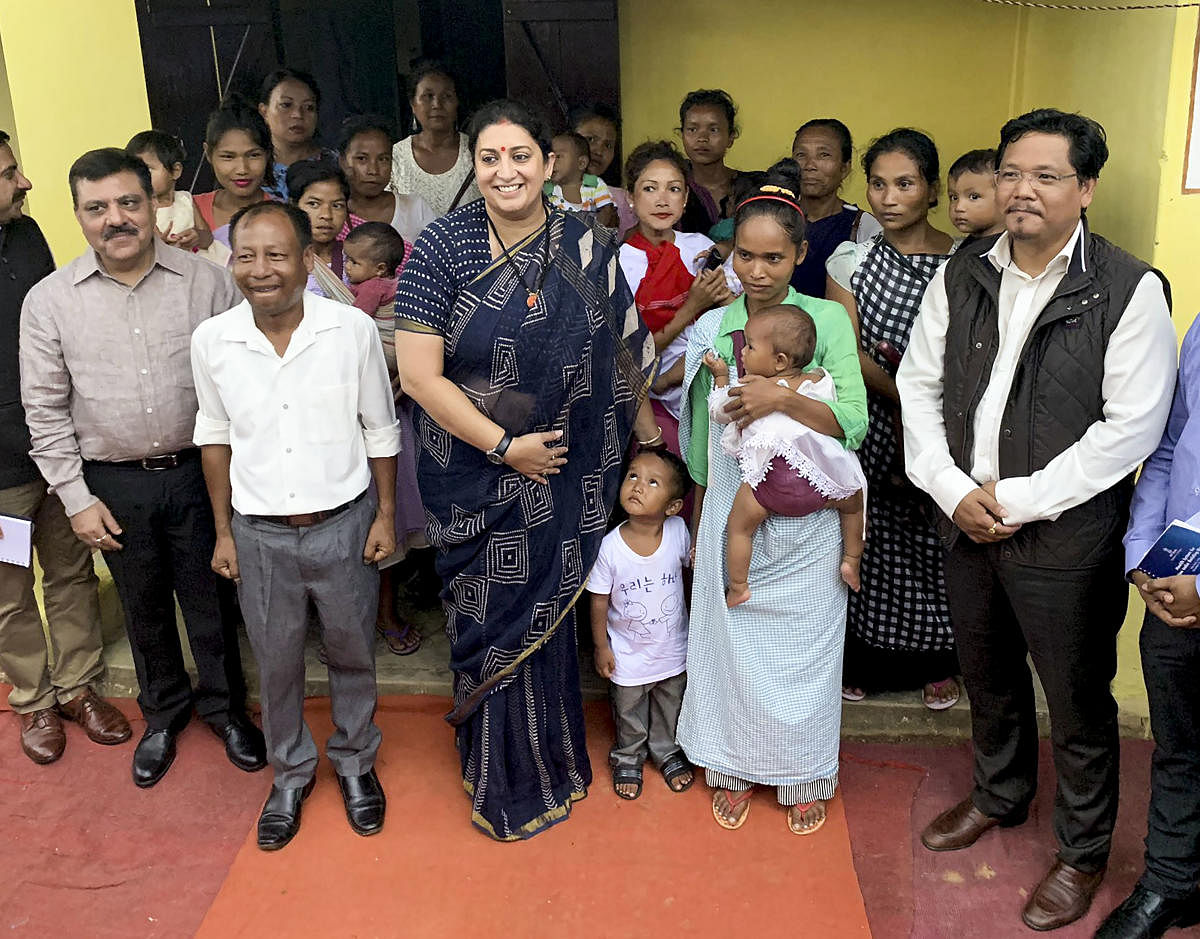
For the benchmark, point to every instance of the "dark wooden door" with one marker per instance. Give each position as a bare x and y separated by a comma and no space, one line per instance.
193,52
562,54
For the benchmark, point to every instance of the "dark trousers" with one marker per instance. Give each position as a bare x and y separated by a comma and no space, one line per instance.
168,539
1171,666
1067,622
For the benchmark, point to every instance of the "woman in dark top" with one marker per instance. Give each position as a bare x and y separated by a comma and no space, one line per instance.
824,150
708,125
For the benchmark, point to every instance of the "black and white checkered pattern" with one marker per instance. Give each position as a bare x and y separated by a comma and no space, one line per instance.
902,604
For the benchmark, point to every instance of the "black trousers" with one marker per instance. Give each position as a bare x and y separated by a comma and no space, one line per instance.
168,539
1171,666
1067,622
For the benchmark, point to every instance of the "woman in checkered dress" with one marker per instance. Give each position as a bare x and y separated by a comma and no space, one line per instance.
898,632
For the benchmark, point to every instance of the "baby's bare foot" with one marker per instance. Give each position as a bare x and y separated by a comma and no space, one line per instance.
736,594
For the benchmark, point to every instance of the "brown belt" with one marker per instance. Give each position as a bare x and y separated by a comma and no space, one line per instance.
308,518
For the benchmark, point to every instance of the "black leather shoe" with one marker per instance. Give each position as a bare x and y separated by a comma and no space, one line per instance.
365,802
1148,915
244,743
280,818
153,756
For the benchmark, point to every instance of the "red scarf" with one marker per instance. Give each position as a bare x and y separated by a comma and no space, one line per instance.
665,286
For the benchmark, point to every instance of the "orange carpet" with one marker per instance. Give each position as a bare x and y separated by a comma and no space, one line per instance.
657,866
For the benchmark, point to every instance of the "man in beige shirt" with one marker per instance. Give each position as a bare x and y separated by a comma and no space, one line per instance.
107,386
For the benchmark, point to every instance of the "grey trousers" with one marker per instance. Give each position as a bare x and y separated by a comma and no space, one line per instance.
646,716
282,568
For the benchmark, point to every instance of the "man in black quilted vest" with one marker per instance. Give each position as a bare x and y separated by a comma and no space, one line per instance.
1038,377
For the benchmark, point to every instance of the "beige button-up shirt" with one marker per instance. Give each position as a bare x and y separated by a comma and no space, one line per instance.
106,369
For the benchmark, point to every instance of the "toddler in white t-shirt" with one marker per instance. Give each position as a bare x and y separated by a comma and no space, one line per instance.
639,622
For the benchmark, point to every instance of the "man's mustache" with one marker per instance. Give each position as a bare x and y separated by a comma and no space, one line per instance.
112,231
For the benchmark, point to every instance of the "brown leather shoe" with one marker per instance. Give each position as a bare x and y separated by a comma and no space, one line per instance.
102,722
42,736
960,827
1062,897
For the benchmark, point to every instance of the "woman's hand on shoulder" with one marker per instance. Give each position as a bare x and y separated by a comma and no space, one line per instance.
534,456
755,397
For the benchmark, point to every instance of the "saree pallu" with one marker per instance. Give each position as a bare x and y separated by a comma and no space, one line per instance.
514,554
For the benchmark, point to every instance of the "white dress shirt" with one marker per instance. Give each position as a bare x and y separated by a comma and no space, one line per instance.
1139,378
301,425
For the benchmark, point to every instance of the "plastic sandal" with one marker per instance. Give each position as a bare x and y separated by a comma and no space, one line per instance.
735,799
937,686
675,766
804,807
856,695
625,776
396,639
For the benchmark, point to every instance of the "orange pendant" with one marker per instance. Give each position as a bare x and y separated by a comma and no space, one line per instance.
531,301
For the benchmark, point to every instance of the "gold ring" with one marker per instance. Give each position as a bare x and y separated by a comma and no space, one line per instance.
992,530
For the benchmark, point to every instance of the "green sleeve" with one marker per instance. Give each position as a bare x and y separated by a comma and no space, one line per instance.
697,448
837,353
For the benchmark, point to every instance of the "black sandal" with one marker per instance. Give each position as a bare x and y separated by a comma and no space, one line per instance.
675,766
625,776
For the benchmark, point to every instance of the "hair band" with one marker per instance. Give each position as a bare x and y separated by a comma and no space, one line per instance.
792,203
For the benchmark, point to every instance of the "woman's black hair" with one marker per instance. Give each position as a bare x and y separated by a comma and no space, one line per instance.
237,113
596,109
167,147
914,144
423,70
783,207
362,124
711,98
1088,145
384,244
840,130
281,75
646,153
305,173
507,111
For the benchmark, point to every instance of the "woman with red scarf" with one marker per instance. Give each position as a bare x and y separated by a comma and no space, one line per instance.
665,270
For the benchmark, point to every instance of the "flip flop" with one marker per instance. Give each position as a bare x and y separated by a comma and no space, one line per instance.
856,695
625,776
735,799
400,641
804,807
937,686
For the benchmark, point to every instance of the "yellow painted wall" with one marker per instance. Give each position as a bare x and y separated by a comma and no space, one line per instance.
943,66
75,81
1177,229
1114,67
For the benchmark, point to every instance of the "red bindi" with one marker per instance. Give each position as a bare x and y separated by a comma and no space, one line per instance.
502,149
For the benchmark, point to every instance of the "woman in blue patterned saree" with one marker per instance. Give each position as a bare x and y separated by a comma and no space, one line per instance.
518,340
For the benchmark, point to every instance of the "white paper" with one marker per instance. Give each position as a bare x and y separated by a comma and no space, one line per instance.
16,547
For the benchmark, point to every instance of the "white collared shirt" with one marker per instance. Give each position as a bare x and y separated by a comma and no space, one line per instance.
301,425
1139,378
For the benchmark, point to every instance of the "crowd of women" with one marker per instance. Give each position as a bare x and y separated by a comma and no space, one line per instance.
509,312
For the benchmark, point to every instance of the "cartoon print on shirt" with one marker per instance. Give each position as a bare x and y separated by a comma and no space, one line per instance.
671,605
635,617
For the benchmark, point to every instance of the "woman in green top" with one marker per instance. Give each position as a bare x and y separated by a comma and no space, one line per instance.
763,702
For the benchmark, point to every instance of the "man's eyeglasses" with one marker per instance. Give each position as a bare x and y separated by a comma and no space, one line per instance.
1037,179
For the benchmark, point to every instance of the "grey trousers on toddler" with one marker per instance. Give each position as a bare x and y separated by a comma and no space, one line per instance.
646,716
281,569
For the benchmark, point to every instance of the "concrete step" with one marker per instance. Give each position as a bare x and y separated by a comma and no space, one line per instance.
896,715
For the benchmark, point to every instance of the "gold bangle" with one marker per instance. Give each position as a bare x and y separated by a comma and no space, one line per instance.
657,438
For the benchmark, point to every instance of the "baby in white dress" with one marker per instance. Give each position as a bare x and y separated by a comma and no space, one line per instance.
787,468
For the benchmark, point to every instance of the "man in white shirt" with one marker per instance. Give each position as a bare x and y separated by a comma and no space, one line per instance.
296,420
1038,377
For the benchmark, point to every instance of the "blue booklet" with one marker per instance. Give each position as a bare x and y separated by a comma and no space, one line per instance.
1176,552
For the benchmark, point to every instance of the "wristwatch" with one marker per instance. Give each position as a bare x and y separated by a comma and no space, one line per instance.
496,454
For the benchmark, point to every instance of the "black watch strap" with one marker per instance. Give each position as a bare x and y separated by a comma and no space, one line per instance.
496,454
